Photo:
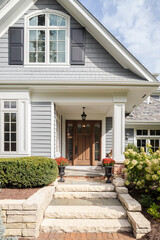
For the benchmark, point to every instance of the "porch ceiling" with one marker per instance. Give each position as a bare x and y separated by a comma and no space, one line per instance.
91,108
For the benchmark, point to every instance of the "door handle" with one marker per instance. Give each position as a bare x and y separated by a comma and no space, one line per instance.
76,149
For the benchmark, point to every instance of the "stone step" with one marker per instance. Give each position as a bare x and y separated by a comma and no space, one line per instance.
85,187
85,225
85,212
84,195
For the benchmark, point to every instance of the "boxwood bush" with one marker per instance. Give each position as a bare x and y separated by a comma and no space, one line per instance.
27,172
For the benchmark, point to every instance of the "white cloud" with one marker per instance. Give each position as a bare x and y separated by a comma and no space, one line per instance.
136,24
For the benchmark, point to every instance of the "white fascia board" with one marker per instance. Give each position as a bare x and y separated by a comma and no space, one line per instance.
79,83
15,94
13,11
138,122
105,38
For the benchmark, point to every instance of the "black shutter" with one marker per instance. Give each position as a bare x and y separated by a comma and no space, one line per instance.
16,45
77,46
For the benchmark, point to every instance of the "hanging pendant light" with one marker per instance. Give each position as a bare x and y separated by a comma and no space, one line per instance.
83,115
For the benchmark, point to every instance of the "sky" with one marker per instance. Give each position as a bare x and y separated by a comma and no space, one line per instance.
135,23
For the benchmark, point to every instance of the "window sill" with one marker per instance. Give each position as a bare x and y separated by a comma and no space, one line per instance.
47,65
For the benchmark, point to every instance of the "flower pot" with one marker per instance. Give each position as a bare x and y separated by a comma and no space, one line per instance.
61,173
108,173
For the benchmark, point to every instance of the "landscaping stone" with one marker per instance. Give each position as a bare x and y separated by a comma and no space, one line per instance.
85,212
122,190
89,187
130,203
13,232
85,225
118,182
85,195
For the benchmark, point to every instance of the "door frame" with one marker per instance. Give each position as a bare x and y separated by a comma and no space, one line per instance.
75,122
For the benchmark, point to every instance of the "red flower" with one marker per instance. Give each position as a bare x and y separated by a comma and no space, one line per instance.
108,162
62,161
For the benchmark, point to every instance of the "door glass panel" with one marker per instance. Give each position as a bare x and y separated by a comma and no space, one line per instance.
97,128
70,141
83,128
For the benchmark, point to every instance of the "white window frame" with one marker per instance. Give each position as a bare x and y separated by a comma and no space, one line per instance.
148,137
9,110
46,28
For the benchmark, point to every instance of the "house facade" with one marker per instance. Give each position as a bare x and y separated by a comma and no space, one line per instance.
55,60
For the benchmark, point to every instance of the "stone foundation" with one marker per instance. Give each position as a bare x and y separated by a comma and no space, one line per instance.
22,218
118,169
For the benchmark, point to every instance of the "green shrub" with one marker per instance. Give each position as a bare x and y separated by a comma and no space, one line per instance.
154,211
131,146
27,172
146,201
142,171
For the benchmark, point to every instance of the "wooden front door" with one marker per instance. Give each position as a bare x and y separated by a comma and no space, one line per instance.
83,145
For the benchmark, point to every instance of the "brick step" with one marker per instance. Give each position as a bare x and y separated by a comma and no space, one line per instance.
85,187
84,195
85,225
85,212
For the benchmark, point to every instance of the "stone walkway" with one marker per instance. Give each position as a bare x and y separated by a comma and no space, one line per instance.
85,236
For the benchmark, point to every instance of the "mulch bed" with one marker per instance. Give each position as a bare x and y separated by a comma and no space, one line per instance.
12,193
155,224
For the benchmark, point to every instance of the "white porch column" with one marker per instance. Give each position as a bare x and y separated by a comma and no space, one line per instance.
119,132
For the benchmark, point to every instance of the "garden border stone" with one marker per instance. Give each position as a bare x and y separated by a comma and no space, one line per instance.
22,218
141,226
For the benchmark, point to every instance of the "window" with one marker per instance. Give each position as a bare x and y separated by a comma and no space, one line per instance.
151,136
47,38
10,126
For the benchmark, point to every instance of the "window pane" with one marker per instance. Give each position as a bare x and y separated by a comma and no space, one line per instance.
53,46
13,146
53,57
41,35
52,20
33,21
143,143
13,117
61,57
6,147
139,132
61,21
41,46
32,46
32,57
152,132
13,104
6,117
157,132
13,137
13,127
61,46
32,35
61,35
157,143
7,104
138,143
41,20
145,132
6,127
6,137
41,57
53,35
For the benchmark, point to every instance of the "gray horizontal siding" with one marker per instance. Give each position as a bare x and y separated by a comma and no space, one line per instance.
99,64
130,140
41,129
109,134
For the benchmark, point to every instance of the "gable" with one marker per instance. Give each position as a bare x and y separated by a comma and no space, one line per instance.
97,67
99,64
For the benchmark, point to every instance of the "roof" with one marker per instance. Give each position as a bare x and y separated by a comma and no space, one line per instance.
16,8
146,112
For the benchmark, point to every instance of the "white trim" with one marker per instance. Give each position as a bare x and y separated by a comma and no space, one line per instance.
52,130
46,28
